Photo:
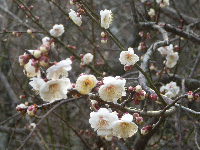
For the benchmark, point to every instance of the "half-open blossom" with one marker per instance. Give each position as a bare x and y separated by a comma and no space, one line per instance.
106,18
59,69
46,40
102,121
113,89
87,58
128,57
166,50
76,18
31,69
57,30
151,12
85,83
124,128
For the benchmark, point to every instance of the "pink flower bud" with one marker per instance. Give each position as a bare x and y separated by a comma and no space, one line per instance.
24,59
136,101
142,95
145,130
32,110
153,97
44,61
31,7
135,115
72,58
127,68
45,48
196,97
22,96
130,89
139,120
141,33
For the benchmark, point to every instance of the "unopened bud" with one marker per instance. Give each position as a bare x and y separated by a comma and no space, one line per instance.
135,115
44,61
29,31
138,89
32,110
130,89
142,95
139,120
190,95
44,48
37,54
104,40
22,96
127,68
104,34
23,59
145,130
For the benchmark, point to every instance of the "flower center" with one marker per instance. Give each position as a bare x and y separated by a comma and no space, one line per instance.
53,87
87,82
102,122
128,56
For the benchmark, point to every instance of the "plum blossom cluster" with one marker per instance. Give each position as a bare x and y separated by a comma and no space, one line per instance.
56,84
170,90
107,124
192,96
171,56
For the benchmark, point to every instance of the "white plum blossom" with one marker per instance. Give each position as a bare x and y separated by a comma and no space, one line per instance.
87,58
36,83
106,18
172,59
30,70
57,30
124,128
59,69
163,3
85,83
166,50
102,121
32,126
76,18
170,89
51,90
128,57
113,89
46,40
151,12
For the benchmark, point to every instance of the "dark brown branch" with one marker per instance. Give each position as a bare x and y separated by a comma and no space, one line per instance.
174,30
